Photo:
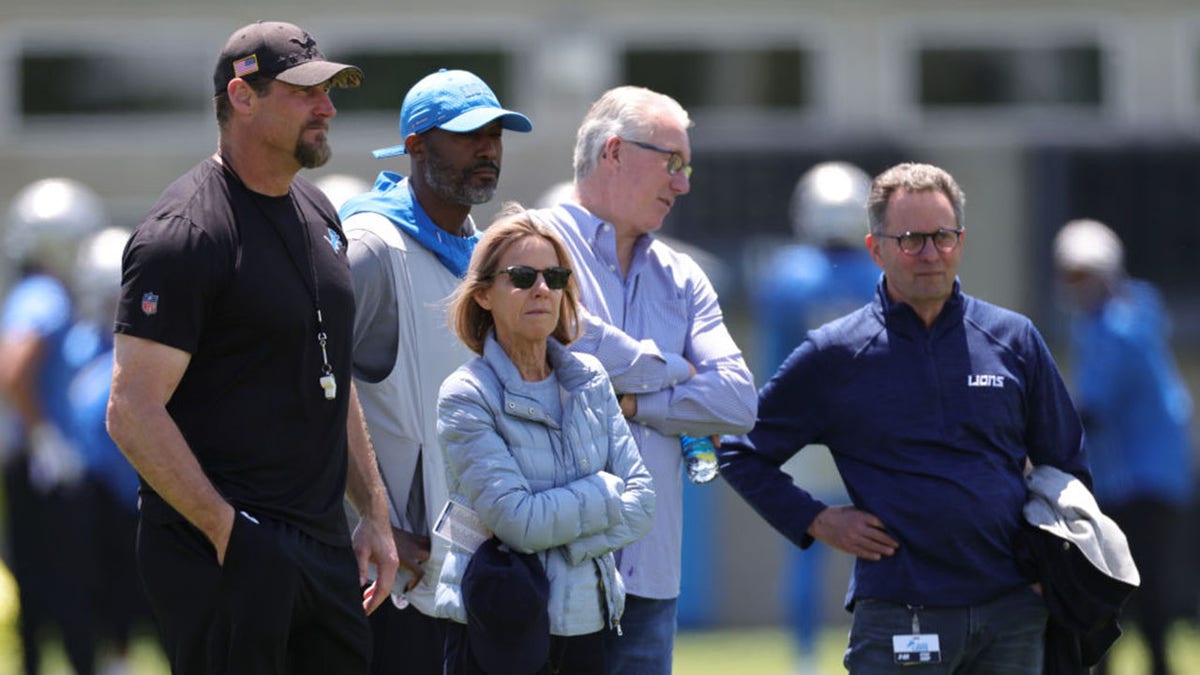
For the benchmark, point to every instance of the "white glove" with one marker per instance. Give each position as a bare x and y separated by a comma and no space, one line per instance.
53,459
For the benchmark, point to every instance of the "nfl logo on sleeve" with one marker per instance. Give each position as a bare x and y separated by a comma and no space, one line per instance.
150,304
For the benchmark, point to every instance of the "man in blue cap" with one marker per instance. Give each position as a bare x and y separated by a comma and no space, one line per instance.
410,240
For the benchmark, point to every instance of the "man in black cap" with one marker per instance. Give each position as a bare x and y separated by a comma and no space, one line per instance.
232,394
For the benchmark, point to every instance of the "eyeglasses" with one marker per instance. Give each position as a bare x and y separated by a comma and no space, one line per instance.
523,276
675,160
912,243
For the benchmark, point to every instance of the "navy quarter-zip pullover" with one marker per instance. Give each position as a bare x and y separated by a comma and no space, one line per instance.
930,429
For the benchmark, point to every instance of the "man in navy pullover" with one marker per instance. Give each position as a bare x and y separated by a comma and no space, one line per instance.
931,402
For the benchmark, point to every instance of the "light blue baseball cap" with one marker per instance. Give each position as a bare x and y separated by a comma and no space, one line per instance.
454,100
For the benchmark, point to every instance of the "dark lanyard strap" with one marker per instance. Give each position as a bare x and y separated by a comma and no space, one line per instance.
327,382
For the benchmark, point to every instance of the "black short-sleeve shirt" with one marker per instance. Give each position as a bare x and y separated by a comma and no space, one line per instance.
227,275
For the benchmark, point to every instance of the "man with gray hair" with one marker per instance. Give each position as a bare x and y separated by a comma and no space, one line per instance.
653,320
931,402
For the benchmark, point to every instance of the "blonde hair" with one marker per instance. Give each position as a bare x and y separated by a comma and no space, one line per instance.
470,321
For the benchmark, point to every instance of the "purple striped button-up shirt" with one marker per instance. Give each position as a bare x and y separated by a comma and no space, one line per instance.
645,328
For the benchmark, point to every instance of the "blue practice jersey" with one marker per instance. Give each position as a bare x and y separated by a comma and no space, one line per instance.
804,287
39,305
1135,405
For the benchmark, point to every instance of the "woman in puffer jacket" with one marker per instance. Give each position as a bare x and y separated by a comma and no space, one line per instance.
536,445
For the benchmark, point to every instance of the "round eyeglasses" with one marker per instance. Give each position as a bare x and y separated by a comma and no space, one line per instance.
523,277
675,160
912,243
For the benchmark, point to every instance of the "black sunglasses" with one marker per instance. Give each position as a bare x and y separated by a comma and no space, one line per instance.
523,276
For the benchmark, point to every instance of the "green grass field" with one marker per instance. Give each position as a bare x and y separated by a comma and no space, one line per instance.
750,651
767,651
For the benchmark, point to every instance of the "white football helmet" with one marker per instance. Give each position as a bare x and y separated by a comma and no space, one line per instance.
1089,245
46,221
829,205
96,282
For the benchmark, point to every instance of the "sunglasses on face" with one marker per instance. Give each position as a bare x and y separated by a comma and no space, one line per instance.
523,276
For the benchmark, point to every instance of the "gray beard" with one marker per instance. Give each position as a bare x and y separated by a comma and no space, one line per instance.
474,195
452,185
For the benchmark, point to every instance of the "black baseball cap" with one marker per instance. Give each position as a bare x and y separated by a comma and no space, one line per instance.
280,50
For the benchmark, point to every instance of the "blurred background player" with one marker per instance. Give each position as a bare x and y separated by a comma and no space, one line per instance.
109,529
39,355
827,273
1137,413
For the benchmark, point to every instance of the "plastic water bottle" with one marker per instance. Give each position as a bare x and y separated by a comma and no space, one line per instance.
700,457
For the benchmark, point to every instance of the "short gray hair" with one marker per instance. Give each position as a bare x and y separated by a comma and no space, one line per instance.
621,111
912,177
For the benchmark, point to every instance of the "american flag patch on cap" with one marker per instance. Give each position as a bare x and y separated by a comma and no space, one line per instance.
246,66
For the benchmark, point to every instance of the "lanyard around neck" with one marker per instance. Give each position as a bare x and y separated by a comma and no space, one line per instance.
327,381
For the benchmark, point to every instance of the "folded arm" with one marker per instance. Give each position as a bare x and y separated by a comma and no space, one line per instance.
488,476
637,499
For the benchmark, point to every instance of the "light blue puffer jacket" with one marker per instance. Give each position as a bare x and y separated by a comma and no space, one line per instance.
571,494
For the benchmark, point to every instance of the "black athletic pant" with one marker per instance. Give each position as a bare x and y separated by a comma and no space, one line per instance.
282,603
406,641
51,569
1154,529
